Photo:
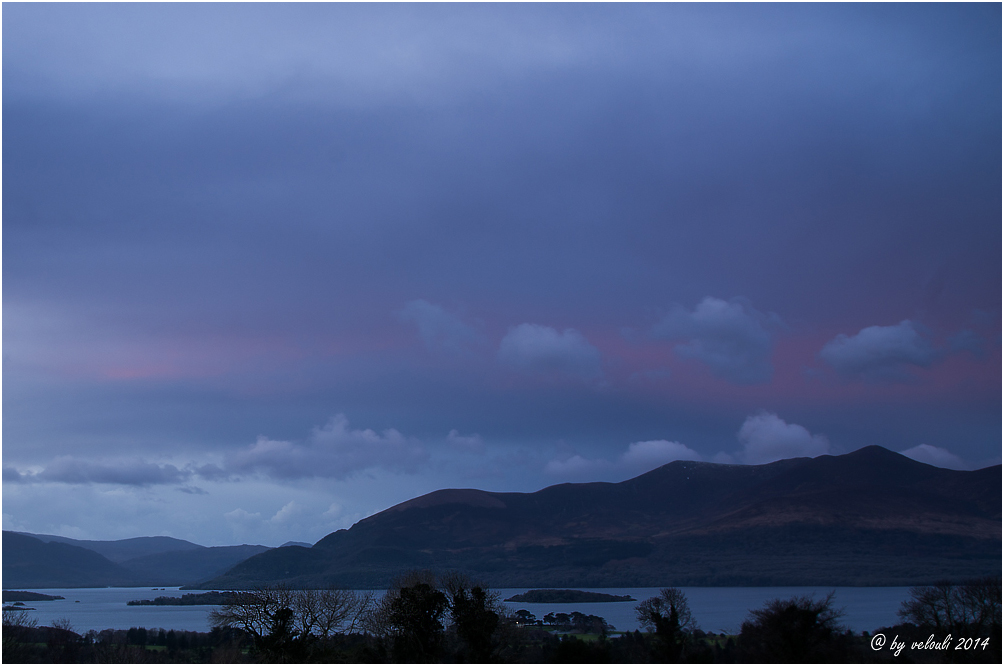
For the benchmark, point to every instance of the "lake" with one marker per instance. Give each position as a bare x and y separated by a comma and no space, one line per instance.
716,609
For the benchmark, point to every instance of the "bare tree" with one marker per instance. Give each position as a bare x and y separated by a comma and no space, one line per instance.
974,606
326,612
18,627
279,618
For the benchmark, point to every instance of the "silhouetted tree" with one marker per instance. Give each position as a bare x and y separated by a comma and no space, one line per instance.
283,622
670,598
800,629
415,616
476,612
669,616
973,608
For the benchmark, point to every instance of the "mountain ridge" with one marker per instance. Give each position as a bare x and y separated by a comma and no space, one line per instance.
869,517
794,521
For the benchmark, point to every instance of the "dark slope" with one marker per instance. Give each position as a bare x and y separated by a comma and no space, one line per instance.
872,517
31,563
123,549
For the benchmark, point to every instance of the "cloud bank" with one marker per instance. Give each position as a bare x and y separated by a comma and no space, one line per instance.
77,471
334,451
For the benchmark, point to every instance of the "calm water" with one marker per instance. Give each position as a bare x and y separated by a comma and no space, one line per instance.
717,609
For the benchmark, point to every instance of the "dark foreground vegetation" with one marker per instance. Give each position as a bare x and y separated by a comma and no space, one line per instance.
452,619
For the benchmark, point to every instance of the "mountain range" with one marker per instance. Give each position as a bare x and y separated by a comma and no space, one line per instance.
45,561
871,517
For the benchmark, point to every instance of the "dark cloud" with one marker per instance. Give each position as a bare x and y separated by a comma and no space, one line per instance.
538,349
440,330
77,471
11,475
218,219
968,341
731,337
881,353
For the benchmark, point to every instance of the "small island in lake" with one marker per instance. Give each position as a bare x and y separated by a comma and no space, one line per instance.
206,599
21,595
567,597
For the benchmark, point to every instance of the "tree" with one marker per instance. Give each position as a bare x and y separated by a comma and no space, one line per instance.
649,611
415,615
476,612
669,616
800,629
283,622
525,616
326,612
18,629
973,608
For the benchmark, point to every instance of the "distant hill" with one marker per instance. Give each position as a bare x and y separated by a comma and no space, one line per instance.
123,549
42,561
871,517
190,566
30,562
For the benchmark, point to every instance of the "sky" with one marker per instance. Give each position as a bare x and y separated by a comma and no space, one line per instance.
269,269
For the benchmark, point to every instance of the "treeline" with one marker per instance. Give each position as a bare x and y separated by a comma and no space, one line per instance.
452,619
203,599
23,642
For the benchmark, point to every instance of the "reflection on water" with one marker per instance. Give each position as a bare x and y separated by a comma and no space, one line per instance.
716,609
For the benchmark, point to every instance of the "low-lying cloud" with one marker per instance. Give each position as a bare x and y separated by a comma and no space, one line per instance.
78,471
655,453
640,457
538,349
933,455
731,337
881,353
334,451
765,437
